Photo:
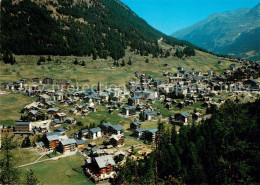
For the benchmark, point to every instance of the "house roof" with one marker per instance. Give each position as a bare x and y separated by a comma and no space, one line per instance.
94,130
68,141
103,161
117,127
140,130
130,107
22,123
84,131
69,119
53,109
80,142
53,137
106,124
149,112
44,96
185,114
136,123
95,149
57,121
34,112
152,130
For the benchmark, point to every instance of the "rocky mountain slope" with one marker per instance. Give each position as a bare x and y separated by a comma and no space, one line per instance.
235,33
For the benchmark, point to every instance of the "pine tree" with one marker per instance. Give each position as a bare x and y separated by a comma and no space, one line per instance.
123,63
129,62
8,173
80,134
26,142
31,178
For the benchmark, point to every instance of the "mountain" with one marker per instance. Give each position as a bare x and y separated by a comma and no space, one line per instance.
104,28
233,32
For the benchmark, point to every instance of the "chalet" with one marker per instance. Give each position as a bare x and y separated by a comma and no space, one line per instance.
100,168
232,67
36,80
55,122
139,133
115,129
183,117
146,94
5,85
85,132
70,120
73,111
134,100
34,114
128,111
105,127
18,85
117,140
10,86
174,80
220,62
94,133
59,96
44,98
80,144
196,116
53,111
68,145
149,115
104,97
135,125
53,140
150,134
47,81
50,104
23,128
32,106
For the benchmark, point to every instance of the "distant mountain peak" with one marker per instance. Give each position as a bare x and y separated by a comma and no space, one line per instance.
220,30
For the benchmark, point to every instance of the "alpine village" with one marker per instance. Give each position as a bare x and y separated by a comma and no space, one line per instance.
92,94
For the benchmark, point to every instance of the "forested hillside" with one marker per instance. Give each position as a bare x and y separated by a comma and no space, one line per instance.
71,27
222,150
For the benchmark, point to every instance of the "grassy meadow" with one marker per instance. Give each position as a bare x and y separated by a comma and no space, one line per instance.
59,171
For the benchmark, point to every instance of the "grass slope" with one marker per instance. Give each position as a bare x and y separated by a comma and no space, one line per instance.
92,73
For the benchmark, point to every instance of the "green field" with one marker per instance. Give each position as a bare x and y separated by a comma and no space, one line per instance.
51,172
59,171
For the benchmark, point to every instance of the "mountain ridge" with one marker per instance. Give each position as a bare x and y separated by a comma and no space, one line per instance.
220,30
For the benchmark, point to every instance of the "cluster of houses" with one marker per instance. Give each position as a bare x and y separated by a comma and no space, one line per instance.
181,89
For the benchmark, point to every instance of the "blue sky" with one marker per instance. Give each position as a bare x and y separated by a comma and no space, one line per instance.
171,15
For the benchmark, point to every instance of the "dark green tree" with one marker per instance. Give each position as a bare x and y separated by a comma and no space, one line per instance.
9,174
31,178
26,142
